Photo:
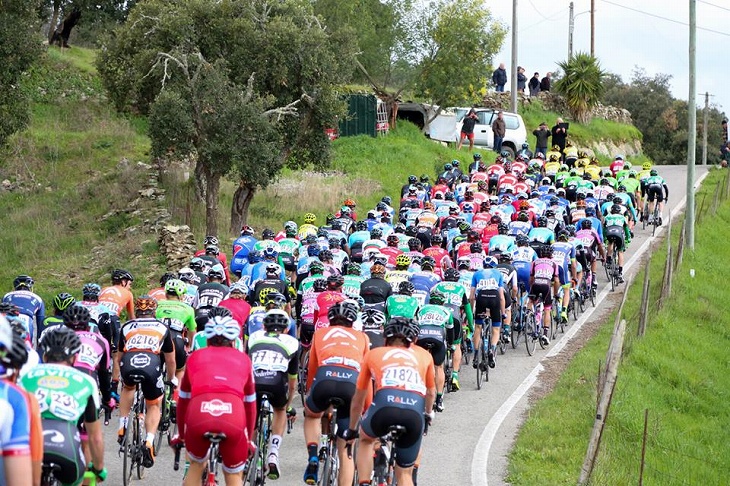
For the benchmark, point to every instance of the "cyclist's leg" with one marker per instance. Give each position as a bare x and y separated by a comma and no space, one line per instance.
454,337
126,369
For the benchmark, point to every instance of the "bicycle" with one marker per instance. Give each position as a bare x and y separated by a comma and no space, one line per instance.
612,268
384,467
656,218
167,417
255,471
302,373
329,460
133,443
214,459
481,360
448,368
533,326
556,319
572,309
518,317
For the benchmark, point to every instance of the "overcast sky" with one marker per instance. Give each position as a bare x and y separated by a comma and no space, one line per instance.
625,39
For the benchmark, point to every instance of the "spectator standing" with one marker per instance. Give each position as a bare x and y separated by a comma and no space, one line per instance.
560,133
499,128
499,78
542,134
467,129
535,84
521,79
724,132
545,83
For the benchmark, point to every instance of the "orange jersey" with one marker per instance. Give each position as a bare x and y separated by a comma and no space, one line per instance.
117,299
145,335
409,369
337,346
158,294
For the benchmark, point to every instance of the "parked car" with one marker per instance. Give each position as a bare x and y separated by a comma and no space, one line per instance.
514,137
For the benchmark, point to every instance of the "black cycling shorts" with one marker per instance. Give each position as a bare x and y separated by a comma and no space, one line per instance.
397,407
544,289
333,382
435,346
306,332
488,301
144,368
275,384
616,235
454,334
62,447
655,191
181,356
289,264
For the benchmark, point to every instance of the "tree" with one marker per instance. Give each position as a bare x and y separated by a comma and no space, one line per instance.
278,54
64,15
582,85
19,48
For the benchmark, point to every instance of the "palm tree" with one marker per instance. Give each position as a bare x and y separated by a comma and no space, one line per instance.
581,84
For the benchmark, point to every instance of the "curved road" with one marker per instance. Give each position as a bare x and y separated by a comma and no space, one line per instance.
468,442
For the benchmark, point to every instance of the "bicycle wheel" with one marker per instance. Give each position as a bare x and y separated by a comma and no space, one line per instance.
478,363
464,350
554,318
592,293
447,370
303,369
164,426
128,447
655,223
502,344
644,216
529,331
142,435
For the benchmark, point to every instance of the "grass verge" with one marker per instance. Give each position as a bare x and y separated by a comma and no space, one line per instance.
678,371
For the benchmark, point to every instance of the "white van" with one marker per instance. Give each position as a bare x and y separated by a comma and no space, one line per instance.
515,133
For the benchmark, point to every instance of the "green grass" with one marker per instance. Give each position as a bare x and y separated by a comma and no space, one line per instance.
67,163
678,371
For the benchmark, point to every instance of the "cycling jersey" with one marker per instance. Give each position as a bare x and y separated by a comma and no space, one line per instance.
351,287
563,256
401,305
32,310
375,291
324,301
14,423
256,323
210,294
502,244
200,342
395,277
118,299
422,284
542,235
63,392
275,361
239,308
176,315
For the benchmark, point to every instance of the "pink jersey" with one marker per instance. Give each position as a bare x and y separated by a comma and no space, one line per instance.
94,352
543,270
589,237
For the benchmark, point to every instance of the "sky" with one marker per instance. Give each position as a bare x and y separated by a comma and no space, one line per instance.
625,39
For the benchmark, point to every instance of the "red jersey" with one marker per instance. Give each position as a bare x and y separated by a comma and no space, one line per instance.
441,256
496,170
507,179
322,305
488,232
239,308
616,166
522,187
480,221
519,167
392,253
118,299
480,197
158,294
439,189
479,176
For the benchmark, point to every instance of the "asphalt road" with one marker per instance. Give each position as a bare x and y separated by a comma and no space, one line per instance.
468,442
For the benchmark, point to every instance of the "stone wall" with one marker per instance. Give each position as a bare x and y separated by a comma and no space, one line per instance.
177,244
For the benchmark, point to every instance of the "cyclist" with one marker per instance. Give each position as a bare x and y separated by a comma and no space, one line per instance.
244,243
544,280
591,243
439,254
487,295
141,341
656,191
16,463
179,318
357,240
118,297
200,341
105,320
61,302
327,299
63,408
403,303
405,391
376,290
334,363
306,299
31,306
509,272
424,280
274,357
433,321
617,233
373,321
272,281
564,257
236,303
308,228
159,293
210,294
217,395
352,281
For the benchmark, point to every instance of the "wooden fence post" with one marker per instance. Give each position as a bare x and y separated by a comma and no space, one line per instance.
727,185
680,246
667,280
700,209
643,447
716,198
644,310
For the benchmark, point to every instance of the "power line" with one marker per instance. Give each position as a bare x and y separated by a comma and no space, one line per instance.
665,18
558,16
540,13
713,5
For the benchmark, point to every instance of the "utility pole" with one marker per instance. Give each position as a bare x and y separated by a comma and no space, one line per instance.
593,28
692,138
571,25
513,79
705,116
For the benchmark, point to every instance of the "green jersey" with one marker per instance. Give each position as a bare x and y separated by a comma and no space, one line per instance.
572,181
63,392
401,306
616,220
658,180
351,287
432,315
612,182
631,184
583,184
200,342
289,246
621,175
176,315
456,299
561,176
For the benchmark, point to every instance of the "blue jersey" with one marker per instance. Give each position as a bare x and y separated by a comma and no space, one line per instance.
597,225
563,254
423,282
487,279
502,244
519,228
523,269
14,424
244,244
32,309
358,238
239,262
542,235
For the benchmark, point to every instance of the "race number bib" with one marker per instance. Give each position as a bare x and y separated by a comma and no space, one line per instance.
269,360
403,377
143,342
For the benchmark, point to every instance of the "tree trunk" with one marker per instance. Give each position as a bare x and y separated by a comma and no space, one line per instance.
239,207
212,188
199,180
69,22
54,21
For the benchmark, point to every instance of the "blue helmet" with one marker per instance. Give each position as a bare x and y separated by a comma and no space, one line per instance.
313,250
255,256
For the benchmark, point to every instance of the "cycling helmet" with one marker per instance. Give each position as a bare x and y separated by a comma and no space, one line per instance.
437,240
406,288
276,320
320,285
627,165
412,179
273,269
377,269
653,172
145,305
268,234
451,275
401,327
310,218
216,272
505,154
502,228
545,251
563,236
334,242
616,209
91,291
373,317
376,233
222,328
176,286
313,250
165,277
463,263
353,268
77,317
16,354
542,222
273,298
326,256
402,261
428,262
247,230
464,226
586,224
118,275
63,300
476,247
329,218
23,281
646,166
8,309
238,287
448,167
449,196
437,298
59,344
523,216
335,281
361,226
197,263
291,231
387,200
414,244
590,211
489,262
210,240
477,156
186,274
343,313
505,257
549,213
316,267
